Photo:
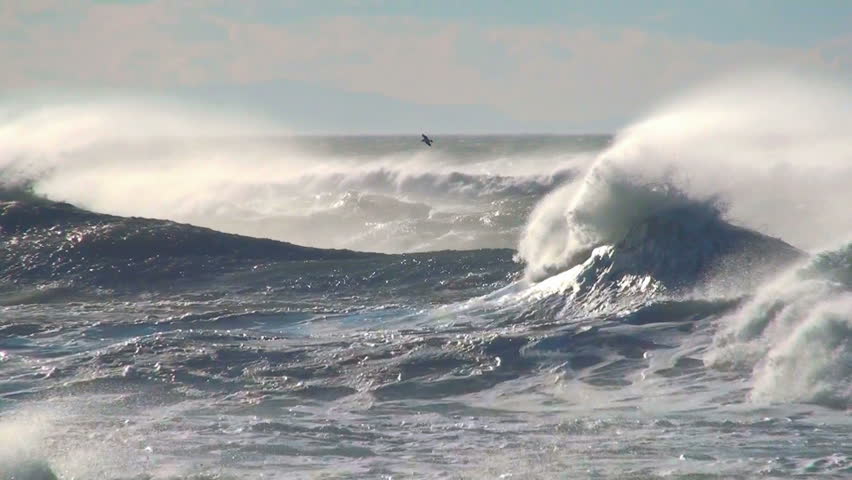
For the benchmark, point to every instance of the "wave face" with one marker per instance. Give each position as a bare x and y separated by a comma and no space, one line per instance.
686,252
651,324
208,168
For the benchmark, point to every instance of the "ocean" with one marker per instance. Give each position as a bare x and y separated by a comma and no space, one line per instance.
672,301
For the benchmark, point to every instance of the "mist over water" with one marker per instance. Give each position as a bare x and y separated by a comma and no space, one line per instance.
390,194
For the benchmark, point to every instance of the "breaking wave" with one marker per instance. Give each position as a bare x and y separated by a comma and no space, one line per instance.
795,335
768,152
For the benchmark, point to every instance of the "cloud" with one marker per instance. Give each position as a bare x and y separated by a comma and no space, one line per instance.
582,77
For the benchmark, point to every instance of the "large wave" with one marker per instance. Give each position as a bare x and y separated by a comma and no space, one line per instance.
768,151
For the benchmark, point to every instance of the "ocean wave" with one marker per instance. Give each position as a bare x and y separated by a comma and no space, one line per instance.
48,240
451,185
655,219
795,335
684,252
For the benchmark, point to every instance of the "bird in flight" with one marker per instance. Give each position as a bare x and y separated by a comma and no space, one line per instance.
426,140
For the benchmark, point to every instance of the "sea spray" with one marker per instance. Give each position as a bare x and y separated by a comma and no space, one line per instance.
233,173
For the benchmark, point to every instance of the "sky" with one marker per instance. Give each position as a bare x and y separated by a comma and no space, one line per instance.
380,66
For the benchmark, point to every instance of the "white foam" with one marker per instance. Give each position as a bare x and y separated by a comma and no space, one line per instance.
795,338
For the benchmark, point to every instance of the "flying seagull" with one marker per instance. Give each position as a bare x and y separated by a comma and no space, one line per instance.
426,140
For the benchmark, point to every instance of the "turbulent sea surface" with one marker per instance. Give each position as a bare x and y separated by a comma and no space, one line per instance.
674,301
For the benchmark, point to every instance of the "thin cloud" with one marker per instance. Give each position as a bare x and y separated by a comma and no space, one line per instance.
580,76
